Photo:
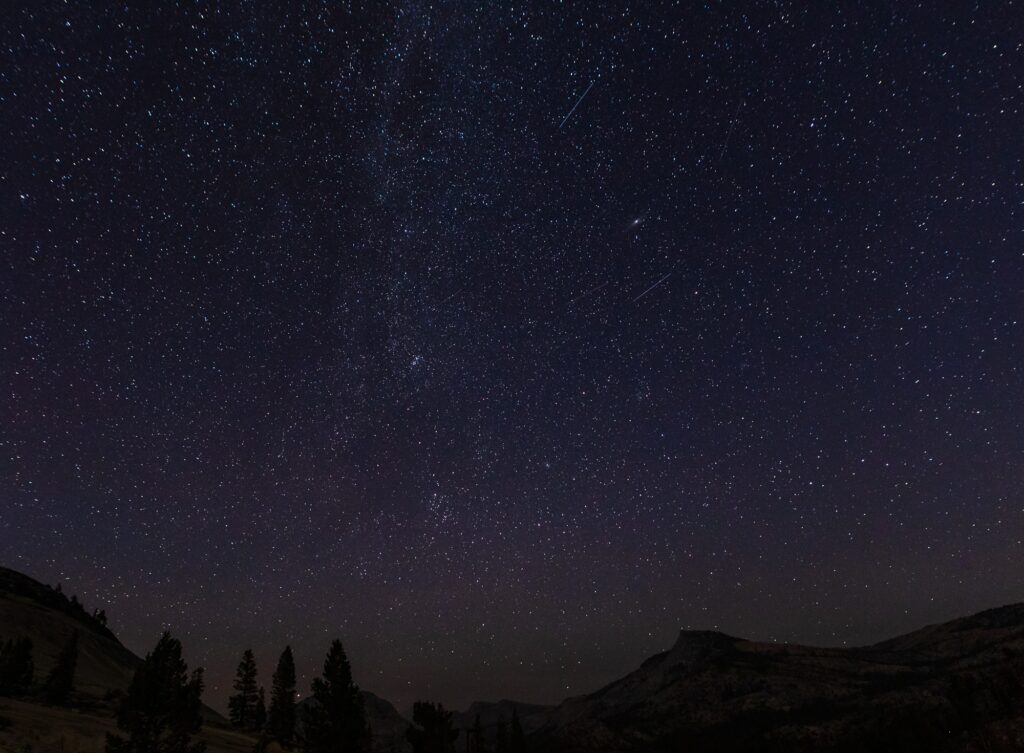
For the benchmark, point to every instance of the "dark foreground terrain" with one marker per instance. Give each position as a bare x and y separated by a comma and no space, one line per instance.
956,687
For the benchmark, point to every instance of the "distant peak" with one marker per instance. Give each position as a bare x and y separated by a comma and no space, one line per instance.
693,646
1010,615
704,637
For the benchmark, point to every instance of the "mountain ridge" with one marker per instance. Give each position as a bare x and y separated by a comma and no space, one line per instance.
951,687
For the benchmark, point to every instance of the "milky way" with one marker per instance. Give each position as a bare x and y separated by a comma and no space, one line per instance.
325,322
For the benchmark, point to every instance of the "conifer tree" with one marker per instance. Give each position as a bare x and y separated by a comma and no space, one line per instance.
61,680
478,736
260,715
242,705
436,733
517,740
336,720
281,715
24,667
16,666
162,710
7,668
501,741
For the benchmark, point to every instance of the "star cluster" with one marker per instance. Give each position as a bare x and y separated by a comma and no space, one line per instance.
504,340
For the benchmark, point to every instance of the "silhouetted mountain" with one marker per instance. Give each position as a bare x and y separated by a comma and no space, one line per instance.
50,618
531,716
957,687
47,616
386,724
103,670
952,687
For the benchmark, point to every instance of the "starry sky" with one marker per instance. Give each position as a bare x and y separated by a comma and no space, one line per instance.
503,340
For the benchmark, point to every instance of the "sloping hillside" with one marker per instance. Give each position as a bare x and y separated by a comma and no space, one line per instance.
957,687
952,687
387,726
43,729
531,717
49,618
104,668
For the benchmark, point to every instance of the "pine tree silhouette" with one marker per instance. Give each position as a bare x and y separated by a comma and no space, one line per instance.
335,721
259,720
517,740
281,715
61,680
501,740
16,666
24,667
161,711
435,734
478,736
242,705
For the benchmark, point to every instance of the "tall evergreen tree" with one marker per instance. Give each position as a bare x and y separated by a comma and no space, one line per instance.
24,667
436,733
16,666
516,738
281,715
161,710
242,705
478,736
501,741
260,715
7,668
61,680
336,719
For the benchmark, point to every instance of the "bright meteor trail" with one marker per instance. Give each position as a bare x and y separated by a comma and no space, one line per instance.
652,287
569,115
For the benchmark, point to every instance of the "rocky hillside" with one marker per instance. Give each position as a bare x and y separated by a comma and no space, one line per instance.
387,726
50,618
531,717
952,687
105,667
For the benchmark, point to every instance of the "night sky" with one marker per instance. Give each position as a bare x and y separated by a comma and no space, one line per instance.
503,340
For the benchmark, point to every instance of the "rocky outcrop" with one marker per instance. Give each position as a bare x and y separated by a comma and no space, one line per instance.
531,717
952,687
30,609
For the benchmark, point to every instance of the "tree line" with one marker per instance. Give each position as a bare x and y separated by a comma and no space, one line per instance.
17,671
334,718
161,711
434,732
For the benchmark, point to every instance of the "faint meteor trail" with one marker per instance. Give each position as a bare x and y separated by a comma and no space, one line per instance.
577,103
652,287
586,294
728,136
